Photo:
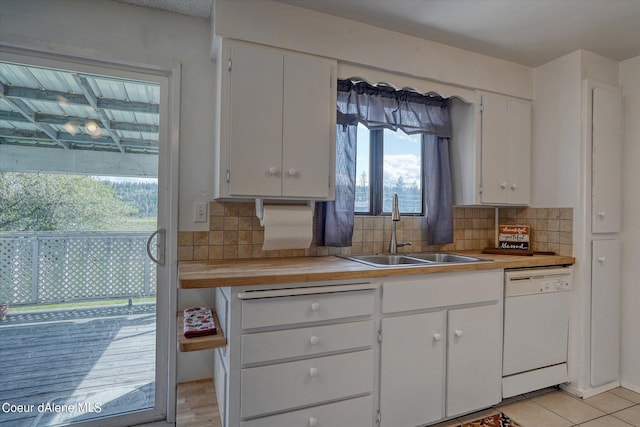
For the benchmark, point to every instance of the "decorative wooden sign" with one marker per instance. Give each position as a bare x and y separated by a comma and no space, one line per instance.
513,237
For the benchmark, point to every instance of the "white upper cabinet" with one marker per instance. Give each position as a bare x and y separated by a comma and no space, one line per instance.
506,150
277,123
491,150
606,181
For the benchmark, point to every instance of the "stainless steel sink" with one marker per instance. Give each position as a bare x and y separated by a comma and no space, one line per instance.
412,260
390,260
443,257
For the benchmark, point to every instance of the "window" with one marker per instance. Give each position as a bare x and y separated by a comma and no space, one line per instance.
388,162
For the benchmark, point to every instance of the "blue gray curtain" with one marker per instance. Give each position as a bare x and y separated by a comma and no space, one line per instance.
379,107
438,191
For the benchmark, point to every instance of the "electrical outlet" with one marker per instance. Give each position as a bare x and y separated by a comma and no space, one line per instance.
200,212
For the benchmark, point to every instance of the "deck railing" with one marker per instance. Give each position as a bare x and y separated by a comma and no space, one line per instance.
52,267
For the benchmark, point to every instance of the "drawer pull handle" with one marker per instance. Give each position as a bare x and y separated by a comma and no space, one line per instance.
437,337
313,372
458,333
313,422
315,306
314,340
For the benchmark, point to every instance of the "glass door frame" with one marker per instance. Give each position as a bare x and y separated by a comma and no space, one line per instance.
164,411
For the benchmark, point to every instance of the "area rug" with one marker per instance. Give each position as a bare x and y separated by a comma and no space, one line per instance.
497,420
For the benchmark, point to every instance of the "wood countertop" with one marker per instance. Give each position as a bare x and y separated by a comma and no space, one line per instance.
265,271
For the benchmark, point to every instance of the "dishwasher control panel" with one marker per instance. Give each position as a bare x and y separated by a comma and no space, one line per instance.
529,282
554,285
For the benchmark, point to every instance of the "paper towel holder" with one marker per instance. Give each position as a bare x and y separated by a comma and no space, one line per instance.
260,207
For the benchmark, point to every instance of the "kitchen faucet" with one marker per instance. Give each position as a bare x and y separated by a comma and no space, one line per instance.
395,217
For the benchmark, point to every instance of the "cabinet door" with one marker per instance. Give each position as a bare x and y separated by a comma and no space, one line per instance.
605,312
255,146
606,197
506,150
306,127
474,368
494,149
518,162
412,369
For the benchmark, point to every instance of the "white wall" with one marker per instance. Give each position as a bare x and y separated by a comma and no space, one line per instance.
112,31
630,82
290,27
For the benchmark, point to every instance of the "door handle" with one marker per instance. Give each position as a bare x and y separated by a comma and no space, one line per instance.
161,233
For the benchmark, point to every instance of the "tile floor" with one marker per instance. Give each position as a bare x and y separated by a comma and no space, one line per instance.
547,408
556,408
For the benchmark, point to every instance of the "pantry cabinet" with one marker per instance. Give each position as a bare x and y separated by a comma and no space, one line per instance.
450,337
606,182
277,123
606,303
491,150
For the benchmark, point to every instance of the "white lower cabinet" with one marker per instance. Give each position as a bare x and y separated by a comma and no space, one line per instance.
443,361
299,356
474,359
413,369
356,412
407,353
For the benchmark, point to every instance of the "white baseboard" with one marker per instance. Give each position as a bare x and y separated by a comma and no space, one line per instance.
586,393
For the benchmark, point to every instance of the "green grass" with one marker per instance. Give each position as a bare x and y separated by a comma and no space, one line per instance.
136,224
80,304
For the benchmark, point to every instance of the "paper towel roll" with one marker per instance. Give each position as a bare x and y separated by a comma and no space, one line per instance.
287,227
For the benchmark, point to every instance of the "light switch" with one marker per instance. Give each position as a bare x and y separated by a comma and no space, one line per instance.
200,212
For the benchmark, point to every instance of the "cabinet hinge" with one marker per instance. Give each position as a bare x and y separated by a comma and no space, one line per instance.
379,335
378,417
480,188
228,176
481,108
229,64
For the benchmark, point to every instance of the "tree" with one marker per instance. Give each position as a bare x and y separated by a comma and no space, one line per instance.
51,202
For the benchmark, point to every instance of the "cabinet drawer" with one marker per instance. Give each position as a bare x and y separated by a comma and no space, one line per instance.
274,388
353,413
442,290
265,312
271,346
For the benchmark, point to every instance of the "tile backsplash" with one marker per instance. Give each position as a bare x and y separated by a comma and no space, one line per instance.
235,233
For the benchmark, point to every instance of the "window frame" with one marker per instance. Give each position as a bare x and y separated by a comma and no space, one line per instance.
376,176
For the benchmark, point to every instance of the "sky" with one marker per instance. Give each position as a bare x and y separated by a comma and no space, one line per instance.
401,156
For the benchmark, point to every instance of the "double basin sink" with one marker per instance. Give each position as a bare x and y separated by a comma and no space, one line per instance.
413,260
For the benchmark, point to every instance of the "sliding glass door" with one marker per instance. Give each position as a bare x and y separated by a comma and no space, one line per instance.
85,182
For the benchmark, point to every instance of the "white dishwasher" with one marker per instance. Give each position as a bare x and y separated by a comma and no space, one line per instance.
536,329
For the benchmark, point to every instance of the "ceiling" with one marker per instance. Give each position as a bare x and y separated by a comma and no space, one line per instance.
529,32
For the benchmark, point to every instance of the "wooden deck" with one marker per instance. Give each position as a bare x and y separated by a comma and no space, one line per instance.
101,358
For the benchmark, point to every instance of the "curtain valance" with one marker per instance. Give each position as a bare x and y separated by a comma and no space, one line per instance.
380,107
